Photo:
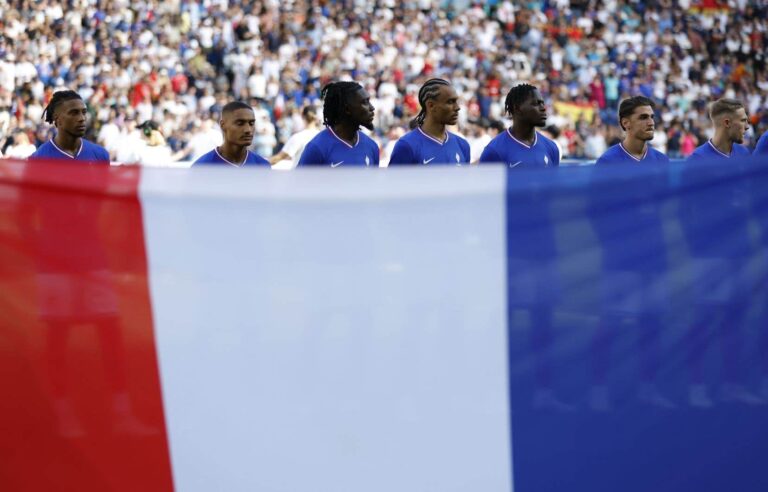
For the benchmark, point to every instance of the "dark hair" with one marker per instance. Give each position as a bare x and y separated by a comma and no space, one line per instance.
723,106
628,106
429,90
517,96
148,126
335,99
234,106
308,113
58,97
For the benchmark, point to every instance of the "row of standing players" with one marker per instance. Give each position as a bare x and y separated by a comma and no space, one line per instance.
347,107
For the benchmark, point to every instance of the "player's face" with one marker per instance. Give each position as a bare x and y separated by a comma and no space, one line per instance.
360,109
739,123
71,117
238,126
640,124
445,107
532,111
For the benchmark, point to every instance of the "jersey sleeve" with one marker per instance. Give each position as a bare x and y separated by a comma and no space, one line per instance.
490,155
376,152
402,154
465,151
312,156
260,160
554,153
762,145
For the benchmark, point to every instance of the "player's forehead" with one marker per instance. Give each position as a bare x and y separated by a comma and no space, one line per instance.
446,93
360,96
534,97
645,110
240,114
71,105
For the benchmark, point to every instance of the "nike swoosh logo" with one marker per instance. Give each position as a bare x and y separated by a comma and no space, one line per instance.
427,161
335,164
516,164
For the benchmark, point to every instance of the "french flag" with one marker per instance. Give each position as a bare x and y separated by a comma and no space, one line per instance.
431,329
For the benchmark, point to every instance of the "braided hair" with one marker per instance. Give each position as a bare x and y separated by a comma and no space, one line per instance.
58,97
335,100
517,96
430,90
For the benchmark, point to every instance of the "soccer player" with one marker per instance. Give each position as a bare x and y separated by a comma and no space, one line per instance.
237,123
731,124
288,157
762,145
67,112
715,216
521,145
637,121
346,107
534,282
634,265
429,142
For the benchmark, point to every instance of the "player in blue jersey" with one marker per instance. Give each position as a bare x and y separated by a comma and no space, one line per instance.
346,107
731,123
633,280
429,142
762,145
521,145
237,125
637,121
68,113
532,272
715,219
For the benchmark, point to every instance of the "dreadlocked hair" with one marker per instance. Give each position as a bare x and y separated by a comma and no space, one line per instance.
517,96
335,100
429,90
58,97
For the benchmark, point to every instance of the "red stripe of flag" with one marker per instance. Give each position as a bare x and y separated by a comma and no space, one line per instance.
81,405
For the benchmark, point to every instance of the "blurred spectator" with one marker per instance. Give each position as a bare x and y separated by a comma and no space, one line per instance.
21,148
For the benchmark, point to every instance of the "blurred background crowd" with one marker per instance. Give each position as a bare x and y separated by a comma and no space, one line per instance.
177,62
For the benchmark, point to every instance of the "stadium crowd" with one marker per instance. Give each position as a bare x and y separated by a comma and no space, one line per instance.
177,62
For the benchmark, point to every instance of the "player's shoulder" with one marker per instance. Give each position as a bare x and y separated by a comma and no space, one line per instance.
95,148
461,140
367,140
254,158
207,158
42,151
545,140
658,155
740,149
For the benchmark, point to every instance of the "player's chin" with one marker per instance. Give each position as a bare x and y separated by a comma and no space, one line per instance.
368,125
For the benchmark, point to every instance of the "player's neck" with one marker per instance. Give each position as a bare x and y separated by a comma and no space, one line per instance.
68,143
634,146
434,129
524,133
346,132
233,153
722,143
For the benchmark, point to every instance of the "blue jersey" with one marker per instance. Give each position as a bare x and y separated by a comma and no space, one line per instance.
88,152
327,149
416,147
507,149
214,157
762,145
708,152
619,155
